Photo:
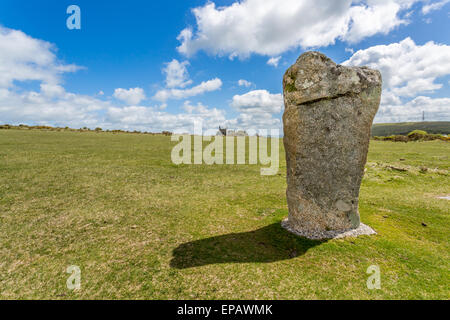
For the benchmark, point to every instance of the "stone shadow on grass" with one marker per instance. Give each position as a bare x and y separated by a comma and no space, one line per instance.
268,244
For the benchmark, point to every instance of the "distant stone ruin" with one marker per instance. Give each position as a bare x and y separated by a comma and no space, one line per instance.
327,120
231,133
222,131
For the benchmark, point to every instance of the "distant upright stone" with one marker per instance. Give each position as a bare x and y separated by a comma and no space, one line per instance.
327,120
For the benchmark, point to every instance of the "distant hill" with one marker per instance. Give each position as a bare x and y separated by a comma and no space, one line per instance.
403,128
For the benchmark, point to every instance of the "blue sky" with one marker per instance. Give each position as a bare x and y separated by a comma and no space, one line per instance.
111,72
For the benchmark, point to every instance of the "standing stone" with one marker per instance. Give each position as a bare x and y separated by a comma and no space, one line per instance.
327,120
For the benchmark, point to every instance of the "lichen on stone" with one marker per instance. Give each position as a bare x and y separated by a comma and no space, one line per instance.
289,84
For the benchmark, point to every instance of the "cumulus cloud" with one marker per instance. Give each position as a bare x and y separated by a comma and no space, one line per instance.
131,96
435,109
408,70
257,109
244,83
50,106
246,121
205,86
258,101
271,27
426,9
25,58
377,17
152,119
52,90
274,61
177,75
149,118
177,78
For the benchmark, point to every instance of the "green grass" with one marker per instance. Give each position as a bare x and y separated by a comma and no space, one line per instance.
403,128
140,227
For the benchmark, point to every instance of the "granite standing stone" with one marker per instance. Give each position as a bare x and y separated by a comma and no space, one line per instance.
327,120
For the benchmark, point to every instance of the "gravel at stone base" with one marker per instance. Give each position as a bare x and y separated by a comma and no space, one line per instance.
318,235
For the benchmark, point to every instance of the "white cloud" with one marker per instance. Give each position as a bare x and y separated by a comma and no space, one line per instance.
177,75
25,58
271,27
426,9
53,105
257,109
131,96
150,119
205,86
274,61
408,70
246,121
203,110
259,116
373,18
50,107
177,78
52,90
258,101
244,83
437,109
189,108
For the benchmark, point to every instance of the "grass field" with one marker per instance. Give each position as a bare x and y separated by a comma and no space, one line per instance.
140,227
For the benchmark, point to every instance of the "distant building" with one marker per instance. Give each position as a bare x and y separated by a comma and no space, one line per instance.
222,131
231,133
